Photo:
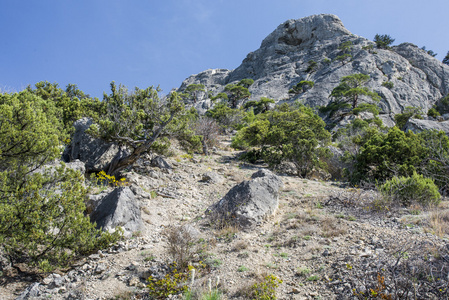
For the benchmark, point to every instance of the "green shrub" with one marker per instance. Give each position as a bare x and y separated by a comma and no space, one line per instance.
290,133
312,66
345,47
372,108
383,154
409,112
261,106
301,87
173,283
333,107
313,278
72,102
342,58
42,221
351,87
433,113
442,105
407,190
242,269
228,118
266,290
388,84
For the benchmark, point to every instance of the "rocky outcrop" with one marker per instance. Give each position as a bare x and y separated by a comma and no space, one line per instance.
415,77
417,125
95,153
249,202
118,208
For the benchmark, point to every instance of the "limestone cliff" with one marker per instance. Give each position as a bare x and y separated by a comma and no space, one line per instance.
282,61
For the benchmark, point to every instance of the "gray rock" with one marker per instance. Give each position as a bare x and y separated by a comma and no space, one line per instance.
118,208
335,165
160,163
101,267
212,177
95,153
51,167
250,202
282,60
417,125
58,280
134,281
30,292
139,192
94,200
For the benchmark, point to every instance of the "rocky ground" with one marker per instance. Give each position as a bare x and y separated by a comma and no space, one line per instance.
324,241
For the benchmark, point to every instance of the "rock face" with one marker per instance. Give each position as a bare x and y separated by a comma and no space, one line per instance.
283,60
251,201
417,125
118,208
95,153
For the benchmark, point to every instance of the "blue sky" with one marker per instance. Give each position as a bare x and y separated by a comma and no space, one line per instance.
144,42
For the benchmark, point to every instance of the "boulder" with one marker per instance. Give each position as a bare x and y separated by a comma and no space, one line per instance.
212,177
95,153
335,165
160,163
249,202
118,208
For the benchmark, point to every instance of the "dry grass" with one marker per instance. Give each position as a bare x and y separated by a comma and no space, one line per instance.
181,241
246,291
331,227
227,232
439,222
312,247
240,245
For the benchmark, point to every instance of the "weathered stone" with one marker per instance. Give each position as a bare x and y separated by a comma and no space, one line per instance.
95,153
212,177
417,125
118,208
30,292
101,267
160,163
134,281
249,202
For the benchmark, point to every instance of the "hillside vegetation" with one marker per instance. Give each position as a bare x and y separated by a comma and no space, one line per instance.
358,201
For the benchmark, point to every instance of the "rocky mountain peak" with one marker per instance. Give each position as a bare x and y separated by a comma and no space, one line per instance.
301,33
320,49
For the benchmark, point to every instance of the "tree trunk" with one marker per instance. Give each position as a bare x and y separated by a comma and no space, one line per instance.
205,148
354,101
118,164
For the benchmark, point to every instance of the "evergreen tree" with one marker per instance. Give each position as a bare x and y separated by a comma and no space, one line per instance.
383,41
290,133
193,91
42,219
351,87
301,87
261,106
136,120
446,59
239,91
